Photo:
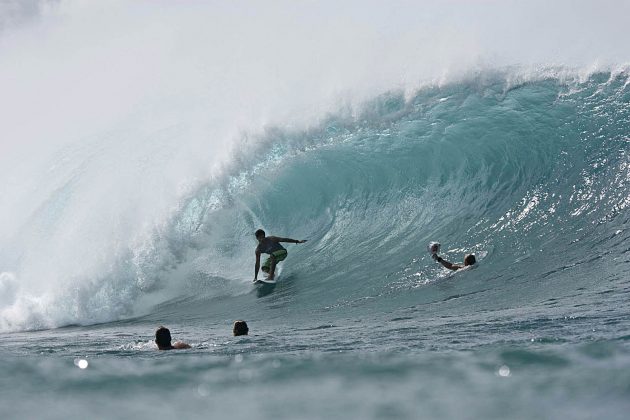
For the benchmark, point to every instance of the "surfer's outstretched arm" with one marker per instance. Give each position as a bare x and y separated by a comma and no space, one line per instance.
293,241
257,265
447,264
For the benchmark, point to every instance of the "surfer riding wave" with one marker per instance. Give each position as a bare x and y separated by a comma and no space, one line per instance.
271,245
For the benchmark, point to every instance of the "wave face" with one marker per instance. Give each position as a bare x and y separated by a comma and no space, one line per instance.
532,176
135,168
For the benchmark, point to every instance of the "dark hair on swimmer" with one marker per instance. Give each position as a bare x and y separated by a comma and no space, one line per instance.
240,327
163,337
260,233
470,259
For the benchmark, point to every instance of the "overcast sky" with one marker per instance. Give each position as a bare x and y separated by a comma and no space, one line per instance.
252,62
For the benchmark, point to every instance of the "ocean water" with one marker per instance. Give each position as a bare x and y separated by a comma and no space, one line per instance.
528,170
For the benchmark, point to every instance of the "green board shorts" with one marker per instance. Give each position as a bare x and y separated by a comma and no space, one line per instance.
280,255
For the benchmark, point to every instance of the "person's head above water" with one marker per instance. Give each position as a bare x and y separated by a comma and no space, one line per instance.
240,328
469,259
163,338
260,234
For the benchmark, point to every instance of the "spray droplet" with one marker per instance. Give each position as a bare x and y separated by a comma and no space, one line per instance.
81,363
504,371
203,390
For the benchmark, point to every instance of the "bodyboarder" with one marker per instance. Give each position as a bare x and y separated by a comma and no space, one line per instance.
434,249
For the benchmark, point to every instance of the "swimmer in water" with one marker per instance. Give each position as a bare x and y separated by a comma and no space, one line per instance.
163,340
469,259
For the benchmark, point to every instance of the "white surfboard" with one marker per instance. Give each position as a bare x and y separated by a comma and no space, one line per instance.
265,281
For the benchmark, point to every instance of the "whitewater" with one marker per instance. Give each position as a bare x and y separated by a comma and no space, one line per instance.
144,143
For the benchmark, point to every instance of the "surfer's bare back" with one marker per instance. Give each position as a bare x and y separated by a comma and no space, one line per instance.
271,245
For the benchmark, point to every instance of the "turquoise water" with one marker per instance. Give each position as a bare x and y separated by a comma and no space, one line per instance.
142,143
533,177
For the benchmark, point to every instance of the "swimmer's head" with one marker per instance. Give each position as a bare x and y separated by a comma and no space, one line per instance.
163,338
469,259
260,234
240,328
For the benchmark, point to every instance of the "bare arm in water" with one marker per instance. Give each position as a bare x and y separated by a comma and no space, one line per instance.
447,264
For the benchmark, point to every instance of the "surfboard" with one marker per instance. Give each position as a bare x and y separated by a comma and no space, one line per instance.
264,281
